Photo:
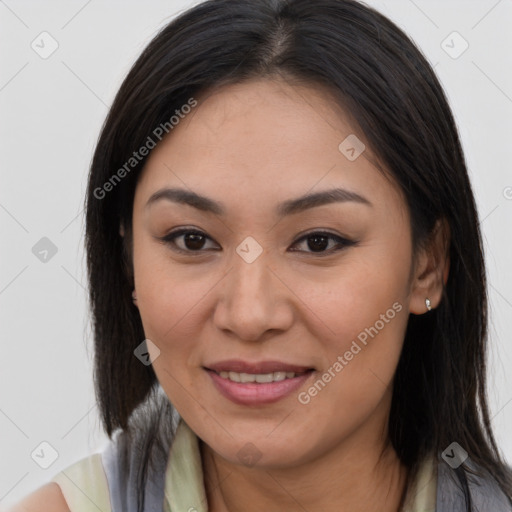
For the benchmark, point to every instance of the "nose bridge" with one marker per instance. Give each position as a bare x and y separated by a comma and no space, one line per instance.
248,299
249,282
250,271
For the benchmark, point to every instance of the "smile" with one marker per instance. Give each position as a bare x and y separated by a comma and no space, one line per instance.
259,378
257,383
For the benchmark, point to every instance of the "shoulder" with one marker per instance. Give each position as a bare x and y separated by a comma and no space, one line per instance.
77,487
85,483
47,497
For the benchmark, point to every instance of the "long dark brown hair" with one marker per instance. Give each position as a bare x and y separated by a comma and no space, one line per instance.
380,77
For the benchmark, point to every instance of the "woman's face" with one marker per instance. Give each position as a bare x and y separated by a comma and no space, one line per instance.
269,286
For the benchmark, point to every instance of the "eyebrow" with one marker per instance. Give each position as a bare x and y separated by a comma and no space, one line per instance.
289,207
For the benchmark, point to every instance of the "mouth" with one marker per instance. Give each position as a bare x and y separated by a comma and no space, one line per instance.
260,378
257,383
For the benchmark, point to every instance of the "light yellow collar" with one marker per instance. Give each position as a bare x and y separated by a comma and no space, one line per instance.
423,492
184,487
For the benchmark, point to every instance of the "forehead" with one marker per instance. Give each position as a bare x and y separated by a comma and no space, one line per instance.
264,138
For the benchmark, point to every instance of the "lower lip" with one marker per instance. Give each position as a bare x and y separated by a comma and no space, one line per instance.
252,393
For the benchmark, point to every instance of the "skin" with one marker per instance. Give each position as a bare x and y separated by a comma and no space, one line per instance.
251,146
47,497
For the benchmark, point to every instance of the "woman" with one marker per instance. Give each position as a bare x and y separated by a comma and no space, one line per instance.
283,244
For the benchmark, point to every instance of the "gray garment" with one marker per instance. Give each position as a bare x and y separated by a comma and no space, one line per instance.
485,493
486,496
122,483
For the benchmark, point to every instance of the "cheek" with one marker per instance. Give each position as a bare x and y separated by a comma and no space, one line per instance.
367,289
365,312
366,319
174,303
167,292
170,307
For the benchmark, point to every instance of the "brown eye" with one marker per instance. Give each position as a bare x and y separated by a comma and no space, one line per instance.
318,242
192,240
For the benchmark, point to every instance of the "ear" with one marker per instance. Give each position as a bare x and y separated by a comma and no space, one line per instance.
121,229
431,269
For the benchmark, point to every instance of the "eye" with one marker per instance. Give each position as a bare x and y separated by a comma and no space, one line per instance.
194,241
318,242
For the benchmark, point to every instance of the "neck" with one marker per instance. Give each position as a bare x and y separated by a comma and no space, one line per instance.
358,475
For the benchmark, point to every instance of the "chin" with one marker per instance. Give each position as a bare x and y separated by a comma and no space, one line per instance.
260,452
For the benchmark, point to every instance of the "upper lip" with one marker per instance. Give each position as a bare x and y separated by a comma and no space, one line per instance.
260,367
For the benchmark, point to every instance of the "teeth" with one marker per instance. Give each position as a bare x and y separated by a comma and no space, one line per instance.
234,376
244,377
267,377
260,378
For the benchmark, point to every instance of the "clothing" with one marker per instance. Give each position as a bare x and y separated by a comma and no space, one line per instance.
98,483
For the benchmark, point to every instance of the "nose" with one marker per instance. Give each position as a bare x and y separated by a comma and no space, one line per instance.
253,302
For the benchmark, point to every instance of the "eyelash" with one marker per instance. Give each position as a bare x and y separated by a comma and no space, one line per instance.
343,243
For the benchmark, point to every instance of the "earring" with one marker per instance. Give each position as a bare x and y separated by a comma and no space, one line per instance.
134,296
427,303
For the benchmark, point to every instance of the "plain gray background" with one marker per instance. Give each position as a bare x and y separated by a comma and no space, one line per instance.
51,112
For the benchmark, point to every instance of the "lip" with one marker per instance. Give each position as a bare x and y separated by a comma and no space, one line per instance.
252,393
239,366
